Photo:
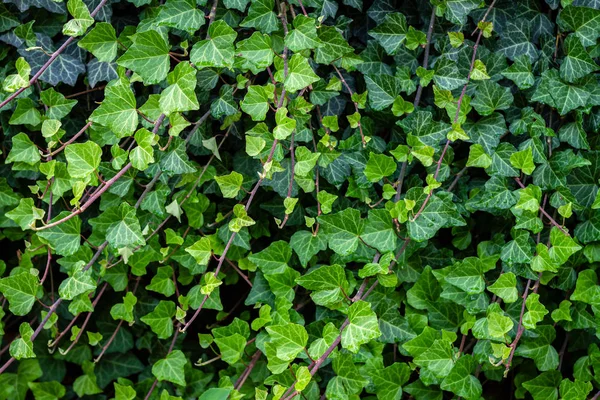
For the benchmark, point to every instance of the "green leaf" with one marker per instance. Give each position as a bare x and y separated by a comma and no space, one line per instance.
491,97
78,283
160,319
181,14
577,62
21,292
101,41
81,20
563,246
23,150
544,386
289,339
303,36
391,33
179,96
22,347
25,214
333,45
274,259
261,16
460,381
256,101
83,159
231,184
300,74
217,51
343,230
170,368
505,287
148,56
379,166
118,110
362,327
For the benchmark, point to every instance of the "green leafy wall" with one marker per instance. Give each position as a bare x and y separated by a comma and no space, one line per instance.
309,199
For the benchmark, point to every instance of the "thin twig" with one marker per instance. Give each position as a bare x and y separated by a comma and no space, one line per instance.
426,56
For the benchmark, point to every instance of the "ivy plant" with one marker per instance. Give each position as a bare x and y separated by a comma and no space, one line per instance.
300,199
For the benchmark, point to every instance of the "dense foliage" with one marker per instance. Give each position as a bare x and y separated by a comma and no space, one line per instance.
306,199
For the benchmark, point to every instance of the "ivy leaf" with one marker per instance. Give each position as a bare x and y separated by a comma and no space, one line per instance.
64,238
460,381
230,184
261,16
25,214
83,159
143,154
179,95
217,51
491,97
23,150
379,166
232,347
362,327
78,283
300,74
520,72
101,41
256,52
289,339
118,110
306,245
584,21
148,56
343,230
160,319
21,292
201,251
170,368
333,45
544,386
505,287
535,311
563,246
181,14
577,62
274,259
81,20
303,36
256,101
391,33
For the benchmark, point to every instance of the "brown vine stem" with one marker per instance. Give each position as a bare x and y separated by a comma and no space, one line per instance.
55,342
74,138
426,56
232,237
291,185
97,88
362,135
175,335
85,322
400,181
102,189
114,335
52,58
552,220
244,376
315,365
457,114
211,16
90,201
